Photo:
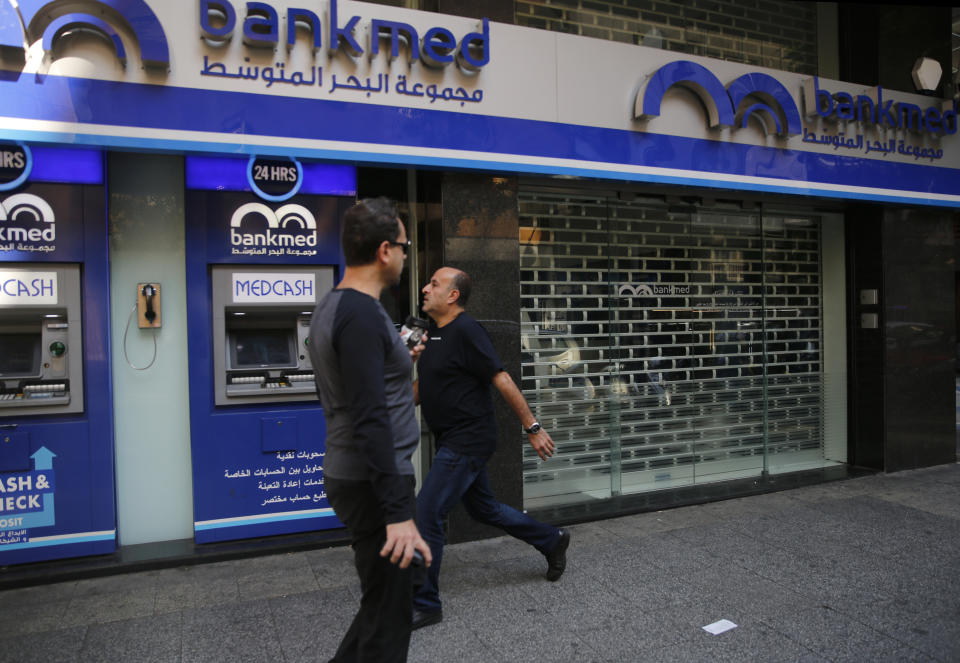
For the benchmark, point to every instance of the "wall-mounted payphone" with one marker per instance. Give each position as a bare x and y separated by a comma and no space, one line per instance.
261,321
41,358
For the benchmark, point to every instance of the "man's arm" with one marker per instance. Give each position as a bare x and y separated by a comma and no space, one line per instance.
541,442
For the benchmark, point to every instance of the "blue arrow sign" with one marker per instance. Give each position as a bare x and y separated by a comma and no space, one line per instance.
42,461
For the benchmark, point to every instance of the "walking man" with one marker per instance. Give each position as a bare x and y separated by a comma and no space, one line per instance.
363,374
455,373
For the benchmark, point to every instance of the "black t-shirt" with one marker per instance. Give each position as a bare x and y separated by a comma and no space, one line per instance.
455,371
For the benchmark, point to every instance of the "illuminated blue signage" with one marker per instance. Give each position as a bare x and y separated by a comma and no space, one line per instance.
438,47
216,173
67,165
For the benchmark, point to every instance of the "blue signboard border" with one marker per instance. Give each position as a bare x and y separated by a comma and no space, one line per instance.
482,141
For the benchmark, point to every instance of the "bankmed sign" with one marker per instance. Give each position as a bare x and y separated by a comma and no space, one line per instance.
346,81
437,48
732,105
874,110
218,19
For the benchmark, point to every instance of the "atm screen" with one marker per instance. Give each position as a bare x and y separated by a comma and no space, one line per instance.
19,355
262,348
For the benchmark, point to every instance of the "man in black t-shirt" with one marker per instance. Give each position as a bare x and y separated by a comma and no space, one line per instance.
455,372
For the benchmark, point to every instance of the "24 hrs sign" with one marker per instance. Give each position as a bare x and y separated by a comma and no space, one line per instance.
15,165
274,179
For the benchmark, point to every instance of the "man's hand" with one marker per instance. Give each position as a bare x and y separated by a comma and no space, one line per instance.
417,350
402,539
542,443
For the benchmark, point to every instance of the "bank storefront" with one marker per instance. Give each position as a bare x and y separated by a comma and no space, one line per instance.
668,250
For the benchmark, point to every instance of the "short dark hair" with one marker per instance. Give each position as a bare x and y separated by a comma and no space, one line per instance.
462,282
366,226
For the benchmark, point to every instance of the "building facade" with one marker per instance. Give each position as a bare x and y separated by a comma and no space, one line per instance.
715,247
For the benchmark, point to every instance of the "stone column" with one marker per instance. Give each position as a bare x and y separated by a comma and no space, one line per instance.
480,230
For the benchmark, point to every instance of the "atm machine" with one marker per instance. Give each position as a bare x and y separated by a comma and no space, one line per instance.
56,416
263,246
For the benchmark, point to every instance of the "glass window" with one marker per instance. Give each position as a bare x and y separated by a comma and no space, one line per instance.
667,346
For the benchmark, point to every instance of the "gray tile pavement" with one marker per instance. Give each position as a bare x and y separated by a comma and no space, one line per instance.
861,570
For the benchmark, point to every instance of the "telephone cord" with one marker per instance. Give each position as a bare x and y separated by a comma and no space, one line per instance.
127,358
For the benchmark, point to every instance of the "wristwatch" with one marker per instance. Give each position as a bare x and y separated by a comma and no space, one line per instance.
535,428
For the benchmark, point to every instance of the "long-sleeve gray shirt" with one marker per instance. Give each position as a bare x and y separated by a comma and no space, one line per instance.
362,372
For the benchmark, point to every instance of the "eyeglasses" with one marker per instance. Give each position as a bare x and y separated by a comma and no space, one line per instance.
404,245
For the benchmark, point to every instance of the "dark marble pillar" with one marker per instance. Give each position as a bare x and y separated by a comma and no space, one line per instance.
901,378
480,230
920,360
865,415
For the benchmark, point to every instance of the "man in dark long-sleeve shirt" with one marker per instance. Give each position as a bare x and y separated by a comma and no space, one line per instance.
363,380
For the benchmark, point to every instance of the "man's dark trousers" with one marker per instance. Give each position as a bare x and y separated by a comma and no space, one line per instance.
454,477
376,634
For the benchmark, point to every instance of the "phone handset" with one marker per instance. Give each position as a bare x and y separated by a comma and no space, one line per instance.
148,305
149,292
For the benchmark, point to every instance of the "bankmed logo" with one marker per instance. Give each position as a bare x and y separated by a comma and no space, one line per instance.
34,219
26,21
764,97
291,226
651,290
756,94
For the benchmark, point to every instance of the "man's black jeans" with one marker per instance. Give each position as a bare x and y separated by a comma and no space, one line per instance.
380,632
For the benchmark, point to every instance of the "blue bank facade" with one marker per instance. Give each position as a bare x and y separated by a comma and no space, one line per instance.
699,272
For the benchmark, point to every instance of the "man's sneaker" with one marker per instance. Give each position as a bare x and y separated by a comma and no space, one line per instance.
421,619
557,558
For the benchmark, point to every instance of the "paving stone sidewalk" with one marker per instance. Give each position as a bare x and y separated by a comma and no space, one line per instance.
866,569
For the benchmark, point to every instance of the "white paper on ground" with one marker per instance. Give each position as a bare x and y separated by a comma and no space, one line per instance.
717,628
